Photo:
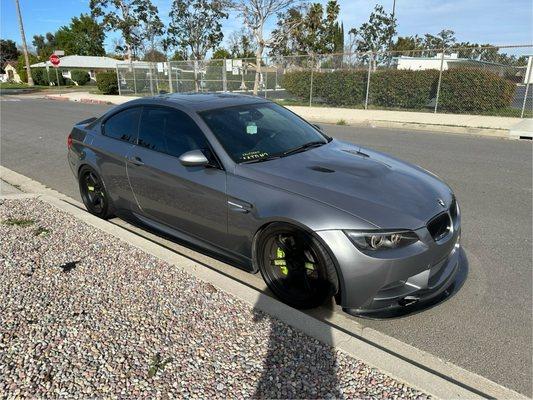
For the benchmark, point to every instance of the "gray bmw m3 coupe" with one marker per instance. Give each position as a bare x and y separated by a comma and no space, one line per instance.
257,185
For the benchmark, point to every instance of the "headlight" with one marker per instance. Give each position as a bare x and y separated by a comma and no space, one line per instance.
381,240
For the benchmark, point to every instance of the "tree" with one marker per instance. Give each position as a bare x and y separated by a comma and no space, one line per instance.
24,46
375,35
44,45
311,32
154,55
408,45
84,36
8,51
196,26
241,44
220,54
148,35
125,16
255,15
443,40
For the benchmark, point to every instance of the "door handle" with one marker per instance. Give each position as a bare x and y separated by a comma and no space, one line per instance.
136,161
241,208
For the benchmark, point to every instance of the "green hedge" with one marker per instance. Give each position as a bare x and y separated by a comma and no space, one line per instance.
107,82
43,78
403,88
80,76
462,89
474,90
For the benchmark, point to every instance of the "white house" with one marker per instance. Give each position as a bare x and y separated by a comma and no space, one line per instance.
91,64
453,61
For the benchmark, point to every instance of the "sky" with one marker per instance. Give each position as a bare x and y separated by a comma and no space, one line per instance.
498,22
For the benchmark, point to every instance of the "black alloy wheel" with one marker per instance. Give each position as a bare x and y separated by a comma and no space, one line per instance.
296,266
93,193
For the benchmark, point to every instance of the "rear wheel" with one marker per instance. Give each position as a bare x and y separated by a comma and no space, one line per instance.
93,193
295,266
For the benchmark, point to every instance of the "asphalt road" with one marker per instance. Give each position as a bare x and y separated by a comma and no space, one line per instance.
486,327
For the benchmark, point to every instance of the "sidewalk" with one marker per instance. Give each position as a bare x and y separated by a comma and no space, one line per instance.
454,123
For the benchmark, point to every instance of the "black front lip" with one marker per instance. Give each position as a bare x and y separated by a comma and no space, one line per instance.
414,301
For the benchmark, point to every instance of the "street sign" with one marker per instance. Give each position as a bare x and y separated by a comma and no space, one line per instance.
59,52
54,60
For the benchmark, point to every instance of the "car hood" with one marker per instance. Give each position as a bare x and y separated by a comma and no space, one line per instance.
380,189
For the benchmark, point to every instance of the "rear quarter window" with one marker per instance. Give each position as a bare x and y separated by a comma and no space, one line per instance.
123,125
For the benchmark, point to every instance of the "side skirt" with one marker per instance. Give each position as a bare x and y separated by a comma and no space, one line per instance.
236,259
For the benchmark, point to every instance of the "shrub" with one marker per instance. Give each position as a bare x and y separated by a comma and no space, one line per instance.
107,82
42,77
462,89
338,88
403,88
474,90
80,76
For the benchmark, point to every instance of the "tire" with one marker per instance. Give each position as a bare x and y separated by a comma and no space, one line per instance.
94,194
295,266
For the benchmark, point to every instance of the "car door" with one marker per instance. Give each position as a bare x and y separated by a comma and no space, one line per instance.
190,199
118,135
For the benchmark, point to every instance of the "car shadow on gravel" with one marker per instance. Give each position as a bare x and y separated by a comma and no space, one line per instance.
295,365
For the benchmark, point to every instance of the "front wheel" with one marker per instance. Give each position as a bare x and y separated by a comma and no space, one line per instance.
93,193
295,266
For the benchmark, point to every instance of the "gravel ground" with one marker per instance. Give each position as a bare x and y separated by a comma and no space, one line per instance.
83,314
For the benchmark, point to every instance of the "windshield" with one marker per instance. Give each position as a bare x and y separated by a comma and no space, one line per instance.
257,132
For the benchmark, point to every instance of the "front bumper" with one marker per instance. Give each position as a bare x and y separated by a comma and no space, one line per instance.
395,278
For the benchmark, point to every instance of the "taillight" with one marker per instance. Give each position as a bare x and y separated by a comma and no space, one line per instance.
69,141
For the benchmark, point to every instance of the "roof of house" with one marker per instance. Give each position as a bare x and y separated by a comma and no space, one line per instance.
11,63
82,62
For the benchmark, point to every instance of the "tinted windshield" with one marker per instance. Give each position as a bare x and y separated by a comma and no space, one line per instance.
255,132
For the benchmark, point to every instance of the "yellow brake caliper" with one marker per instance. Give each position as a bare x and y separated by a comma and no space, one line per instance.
280,261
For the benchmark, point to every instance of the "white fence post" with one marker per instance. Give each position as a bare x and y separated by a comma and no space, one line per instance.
118,80
440,80
171,89
224,76
529,67
311,84
368,80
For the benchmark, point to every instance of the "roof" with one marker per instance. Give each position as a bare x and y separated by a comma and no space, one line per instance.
82,62
203,101
11,63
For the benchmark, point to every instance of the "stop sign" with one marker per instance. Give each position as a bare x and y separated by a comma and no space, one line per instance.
54,60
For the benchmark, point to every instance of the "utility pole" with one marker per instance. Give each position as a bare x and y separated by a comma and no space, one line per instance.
390,37
24,45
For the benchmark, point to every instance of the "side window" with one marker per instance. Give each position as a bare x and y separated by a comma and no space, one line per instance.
169,131
123,126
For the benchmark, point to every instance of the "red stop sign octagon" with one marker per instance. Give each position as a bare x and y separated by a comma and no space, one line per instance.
54,60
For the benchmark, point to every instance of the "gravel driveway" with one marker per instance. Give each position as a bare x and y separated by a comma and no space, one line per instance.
83,314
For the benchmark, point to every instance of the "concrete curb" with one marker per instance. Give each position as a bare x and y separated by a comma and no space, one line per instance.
406,363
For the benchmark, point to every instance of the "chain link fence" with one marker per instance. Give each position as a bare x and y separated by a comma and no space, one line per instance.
481,80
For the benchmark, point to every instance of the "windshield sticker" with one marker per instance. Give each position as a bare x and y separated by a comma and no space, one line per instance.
251,129
253,155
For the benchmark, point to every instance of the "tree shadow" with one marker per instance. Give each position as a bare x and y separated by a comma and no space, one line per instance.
295,366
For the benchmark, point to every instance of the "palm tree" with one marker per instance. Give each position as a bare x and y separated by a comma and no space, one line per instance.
24,46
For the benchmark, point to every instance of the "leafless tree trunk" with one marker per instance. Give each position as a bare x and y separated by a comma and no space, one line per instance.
24,45
255,14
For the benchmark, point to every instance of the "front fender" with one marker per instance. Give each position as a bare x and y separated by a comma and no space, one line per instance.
267,204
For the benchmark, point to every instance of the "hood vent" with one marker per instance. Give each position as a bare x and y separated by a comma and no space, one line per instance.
321,169
357,153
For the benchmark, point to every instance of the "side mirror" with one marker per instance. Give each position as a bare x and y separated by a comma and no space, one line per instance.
194,158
